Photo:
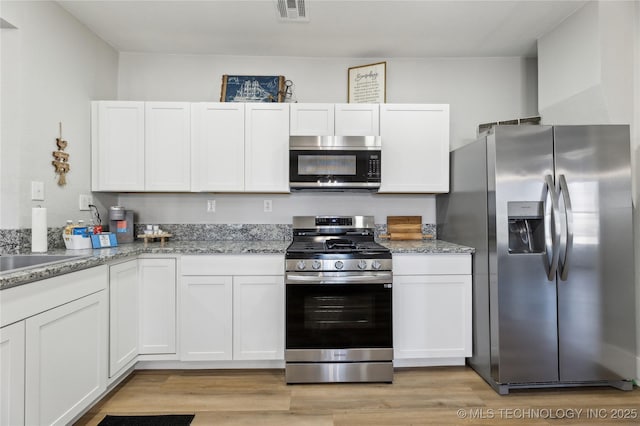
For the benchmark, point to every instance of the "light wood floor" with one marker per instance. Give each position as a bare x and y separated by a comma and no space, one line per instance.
436,396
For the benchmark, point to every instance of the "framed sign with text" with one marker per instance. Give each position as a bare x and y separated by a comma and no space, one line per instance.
368,83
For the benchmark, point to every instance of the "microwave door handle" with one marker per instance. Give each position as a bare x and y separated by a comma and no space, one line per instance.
568,216
552,227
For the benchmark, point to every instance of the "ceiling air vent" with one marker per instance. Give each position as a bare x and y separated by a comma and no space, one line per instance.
292,10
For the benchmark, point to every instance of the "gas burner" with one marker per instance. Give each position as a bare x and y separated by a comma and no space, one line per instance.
336,243
340,244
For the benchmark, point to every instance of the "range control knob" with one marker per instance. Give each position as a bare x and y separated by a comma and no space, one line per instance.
362,264
339,264
316,264
301,264
376,264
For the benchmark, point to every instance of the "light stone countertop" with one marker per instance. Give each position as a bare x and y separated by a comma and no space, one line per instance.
426,246
95,257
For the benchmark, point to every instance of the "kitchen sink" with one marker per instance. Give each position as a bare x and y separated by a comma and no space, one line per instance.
12,262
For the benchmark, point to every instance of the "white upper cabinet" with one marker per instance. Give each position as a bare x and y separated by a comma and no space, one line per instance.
244,147
312,119
266,159
309,119
167,146
357,120
141,146
415,148
218,147
241,147
117,139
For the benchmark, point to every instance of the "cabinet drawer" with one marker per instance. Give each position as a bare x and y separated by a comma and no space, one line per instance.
225,264
31,299
431,264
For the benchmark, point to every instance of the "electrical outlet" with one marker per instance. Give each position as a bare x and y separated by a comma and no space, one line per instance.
211,206
268,206
84,201
37,191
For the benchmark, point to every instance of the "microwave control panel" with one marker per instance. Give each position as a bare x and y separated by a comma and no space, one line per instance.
374,166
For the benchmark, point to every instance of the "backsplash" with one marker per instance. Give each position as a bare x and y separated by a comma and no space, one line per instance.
15,241
226,232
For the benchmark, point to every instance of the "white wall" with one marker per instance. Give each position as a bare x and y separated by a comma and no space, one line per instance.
249,208
478,90
586,66
52,66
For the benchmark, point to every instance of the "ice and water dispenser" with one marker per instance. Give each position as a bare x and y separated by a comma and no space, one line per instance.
526,227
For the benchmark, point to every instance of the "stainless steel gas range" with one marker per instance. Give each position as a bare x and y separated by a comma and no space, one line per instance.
338,284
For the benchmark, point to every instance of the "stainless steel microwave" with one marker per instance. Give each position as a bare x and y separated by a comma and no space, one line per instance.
334,163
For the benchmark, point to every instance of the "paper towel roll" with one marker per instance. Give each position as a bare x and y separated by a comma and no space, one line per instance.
38,229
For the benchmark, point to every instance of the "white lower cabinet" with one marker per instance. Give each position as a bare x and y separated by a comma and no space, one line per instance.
12,374
258,317
431,309
232,307
157,293
123,315
53,348
206,318
65,364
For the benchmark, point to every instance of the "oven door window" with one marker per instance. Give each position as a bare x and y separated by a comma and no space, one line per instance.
338,316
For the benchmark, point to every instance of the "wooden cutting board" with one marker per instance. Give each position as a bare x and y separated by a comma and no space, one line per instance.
404,228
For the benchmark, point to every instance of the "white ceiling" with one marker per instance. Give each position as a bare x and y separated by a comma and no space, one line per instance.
345,28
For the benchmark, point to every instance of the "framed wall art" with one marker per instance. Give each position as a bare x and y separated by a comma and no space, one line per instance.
252,88
367,83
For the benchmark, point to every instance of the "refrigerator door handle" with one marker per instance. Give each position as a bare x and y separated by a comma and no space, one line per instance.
568,216
550,191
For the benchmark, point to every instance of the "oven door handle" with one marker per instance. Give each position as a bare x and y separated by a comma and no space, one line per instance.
325,278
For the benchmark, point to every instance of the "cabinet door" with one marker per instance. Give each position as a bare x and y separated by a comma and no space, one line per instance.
258,317
167,162
218,147
157,280
357,120
205,318
311,120
12,374
266,147
66,360
123,315
431,316
117,146
415,148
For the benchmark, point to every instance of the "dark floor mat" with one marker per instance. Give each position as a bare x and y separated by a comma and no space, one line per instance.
166,420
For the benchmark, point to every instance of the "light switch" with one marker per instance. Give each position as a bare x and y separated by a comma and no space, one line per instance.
37,191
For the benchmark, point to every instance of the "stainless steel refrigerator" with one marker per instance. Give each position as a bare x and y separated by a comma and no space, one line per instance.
549,212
